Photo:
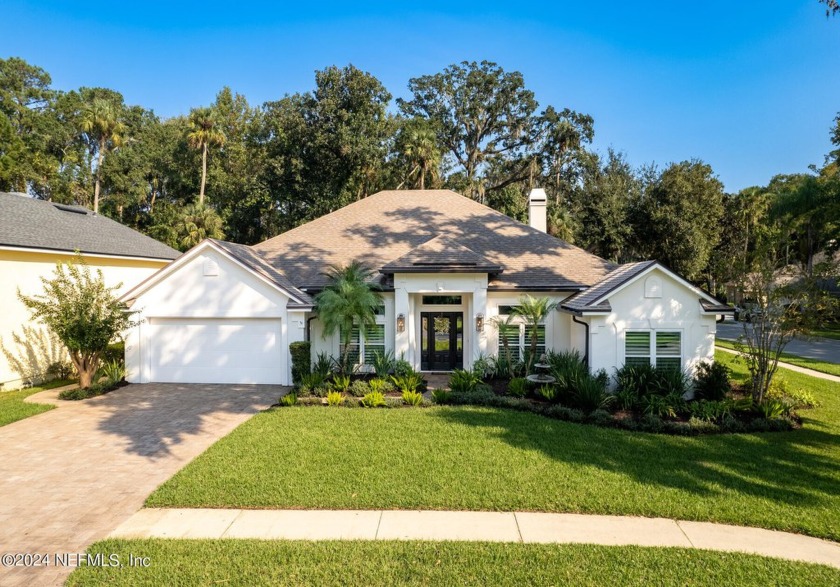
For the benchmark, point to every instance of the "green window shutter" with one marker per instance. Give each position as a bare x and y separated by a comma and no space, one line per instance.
526,342
374,342
669,350
637,344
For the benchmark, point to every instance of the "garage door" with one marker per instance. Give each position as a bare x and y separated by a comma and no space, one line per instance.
215,351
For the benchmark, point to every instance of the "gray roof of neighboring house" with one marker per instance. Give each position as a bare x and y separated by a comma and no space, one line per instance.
247,256
585,300
37,224
441,254
387,226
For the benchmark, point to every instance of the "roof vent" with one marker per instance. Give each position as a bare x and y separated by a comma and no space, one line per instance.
64,208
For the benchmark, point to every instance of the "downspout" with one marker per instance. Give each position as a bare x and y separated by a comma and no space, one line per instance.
586,326
308,334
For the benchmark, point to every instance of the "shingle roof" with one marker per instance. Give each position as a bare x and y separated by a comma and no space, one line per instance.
29,223
716,308
247,256
388,225
442,254
585,301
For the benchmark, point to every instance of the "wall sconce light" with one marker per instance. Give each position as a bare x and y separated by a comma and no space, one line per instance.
479,322
401,323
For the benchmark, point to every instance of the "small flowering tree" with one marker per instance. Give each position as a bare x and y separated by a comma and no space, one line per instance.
83,312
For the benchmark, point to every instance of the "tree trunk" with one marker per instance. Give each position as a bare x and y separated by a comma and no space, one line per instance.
423,177
203,174
99,157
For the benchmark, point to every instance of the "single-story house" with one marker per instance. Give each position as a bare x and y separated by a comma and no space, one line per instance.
447,266
34,236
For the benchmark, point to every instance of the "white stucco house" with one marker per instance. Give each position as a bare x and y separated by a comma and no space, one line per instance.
447,265
34,236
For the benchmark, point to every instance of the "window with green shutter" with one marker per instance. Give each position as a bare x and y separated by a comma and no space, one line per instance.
669,350
374,341
637,348
354,344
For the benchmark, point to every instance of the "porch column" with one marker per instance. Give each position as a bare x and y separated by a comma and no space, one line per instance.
479,306
401,306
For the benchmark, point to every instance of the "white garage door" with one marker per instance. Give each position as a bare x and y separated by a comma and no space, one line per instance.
189,350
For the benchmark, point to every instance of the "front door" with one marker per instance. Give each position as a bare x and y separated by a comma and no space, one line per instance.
442,341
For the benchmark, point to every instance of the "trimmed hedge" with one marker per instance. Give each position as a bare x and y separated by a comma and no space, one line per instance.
301,352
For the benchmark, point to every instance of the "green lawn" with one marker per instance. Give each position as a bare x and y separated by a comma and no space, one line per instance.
492,459
13,408
829,331
816,365
252,563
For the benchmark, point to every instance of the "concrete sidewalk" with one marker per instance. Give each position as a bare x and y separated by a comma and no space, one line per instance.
526,527
797,368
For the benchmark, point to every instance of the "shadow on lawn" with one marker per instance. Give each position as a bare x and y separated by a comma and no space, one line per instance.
798,468
155,417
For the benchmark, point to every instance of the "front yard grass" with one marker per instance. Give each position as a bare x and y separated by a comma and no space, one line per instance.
253,562
469,458
815,364
13,408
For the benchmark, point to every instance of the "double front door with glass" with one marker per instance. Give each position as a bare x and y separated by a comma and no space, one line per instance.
442,345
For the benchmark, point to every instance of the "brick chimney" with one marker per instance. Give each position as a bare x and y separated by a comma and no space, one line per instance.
537,201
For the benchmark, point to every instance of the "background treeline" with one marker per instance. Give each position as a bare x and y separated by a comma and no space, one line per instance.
248,172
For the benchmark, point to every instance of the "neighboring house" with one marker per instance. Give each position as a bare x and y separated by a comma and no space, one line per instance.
447,266
35,235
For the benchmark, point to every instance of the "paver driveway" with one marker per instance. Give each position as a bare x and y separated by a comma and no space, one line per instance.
71,475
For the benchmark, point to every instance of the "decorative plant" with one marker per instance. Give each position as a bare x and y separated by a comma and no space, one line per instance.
533,311
383,363
412,398
380,386
518,387
335,398
407,382
374,399
359,388
464,381
289,399
547,392
441,396
341,383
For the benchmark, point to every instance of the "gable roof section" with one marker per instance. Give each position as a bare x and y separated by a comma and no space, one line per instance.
441,254
383,228
28,223
595,299
239,254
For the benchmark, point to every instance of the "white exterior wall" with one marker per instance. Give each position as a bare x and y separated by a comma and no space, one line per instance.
233,292
24,270
677,308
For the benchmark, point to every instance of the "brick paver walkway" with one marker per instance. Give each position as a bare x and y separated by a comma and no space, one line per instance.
70,476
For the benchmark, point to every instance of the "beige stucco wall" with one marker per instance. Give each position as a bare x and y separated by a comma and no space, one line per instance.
23,270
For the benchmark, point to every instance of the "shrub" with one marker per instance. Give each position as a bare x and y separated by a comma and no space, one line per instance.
709,411
796,398
772,408
289,399
301,352
711,381
374,399
359,388
383,363
60,370
518,387
461,381
635,380
567,368
341,382
79,394
626,399
115,353
600,417
323,365
590,394
310,382
321,391
408,382
547,392
113,372
661,405
403,367
483,366
412,398
669,381
382,386
441,396
335,398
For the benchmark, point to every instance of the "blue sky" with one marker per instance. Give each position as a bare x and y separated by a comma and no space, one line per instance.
749,87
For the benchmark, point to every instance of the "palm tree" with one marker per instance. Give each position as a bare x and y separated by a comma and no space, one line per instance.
533,312
101,121
204,133
195,224
349,298
507,326
419,146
